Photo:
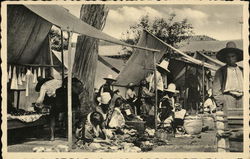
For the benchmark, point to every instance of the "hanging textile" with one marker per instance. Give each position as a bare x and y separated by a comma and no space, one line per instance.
39,72
14,80
35,77
9,76
28,74
19,79
43,73
23,75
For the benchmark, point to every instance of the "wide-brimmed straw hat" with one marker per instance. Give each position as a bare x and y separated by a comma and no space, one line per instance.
131,84
171,88
110,77
230,47
163,65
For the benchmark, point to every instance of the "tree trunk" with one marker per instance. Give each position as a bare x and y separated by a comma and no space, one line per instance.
86,55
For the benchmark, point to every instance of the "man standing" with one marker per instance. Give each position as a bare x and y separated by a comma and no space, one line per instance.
228,81
228,93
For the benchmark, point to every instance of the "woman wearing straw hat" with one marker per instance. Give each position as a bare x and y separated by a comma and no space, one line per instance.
228,81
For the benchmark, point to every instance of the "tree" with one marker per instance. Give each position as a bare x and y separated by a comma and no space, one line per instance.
86,54
168,30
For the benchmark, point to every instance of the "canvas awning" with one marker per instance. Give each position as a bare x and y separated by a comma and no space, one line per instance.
27,37
60,17
141,62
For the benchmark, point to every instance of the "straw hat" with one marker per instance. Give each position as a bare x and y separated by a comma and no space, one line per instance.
110,77
131,84
171,88
230,47
105,98
164,65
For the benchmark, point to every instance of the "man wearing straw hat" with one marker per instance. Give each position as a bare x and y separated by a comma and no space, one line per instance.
106,87
228,93
228,81
162,68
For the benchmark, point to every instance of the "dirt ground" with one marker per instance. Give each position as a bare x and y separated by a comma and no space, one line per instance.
24,140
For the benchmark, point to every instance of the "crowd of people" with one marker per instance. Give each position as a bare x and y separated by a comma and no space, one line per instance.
112,111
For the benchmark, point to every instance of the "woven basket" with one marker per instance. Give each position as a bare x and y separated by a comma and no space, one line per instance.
208,121
193,125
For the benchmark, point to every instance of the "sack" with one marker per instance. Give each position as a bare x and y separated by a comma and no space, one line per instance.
193,125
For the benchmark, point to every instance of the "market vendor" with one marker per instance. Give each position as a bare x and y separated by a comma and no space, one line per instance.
193,93
61,105
162,68
94,127
47,90
132,98
179,115
115,118
166,112
144,96
228,81
103,106
107,87
209,104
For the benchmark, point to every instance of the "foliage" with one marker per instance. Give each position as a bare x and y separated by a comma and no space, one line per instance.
55,37
168,30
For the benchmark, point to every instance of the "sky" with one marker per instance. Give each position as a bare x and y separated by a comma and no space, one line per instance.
221,22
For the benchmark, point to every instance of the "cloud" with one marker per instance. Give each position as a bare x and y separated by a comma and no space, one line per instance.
195,17
130,15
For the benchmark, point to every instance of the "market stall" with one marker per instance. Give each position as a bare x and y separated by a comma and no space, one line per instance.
28,58
61,18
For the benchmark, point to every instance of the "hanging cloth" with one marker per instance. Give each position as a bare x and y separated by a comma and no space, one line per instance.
9,76
14,80
23,75
19,79
28,74
39,72
35,77
43,75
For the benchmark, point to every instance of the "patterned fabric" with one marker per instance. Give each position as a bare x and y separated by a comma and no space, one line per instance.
26,118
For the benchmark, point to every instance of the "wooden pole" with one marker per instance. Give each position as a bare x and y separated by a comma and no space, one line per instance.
156,95
203,84
69,92
62,58
185,86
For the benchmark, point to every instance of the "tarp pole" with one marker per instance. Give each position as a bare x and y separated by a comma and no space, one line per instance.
203,84
62,58
69,92
156,95
185,86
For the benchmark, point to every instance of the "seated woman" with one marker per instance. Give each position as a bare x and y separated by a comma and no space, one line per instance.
179,116
115,118
94,127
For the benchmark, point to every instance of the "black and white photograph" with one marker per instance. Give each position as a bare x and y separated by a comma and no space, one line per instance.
123,77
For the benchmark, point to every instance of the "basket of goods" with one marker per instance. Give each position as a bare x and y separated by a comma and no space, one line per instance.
193,125
162,134
208,121
138,125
